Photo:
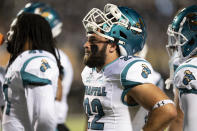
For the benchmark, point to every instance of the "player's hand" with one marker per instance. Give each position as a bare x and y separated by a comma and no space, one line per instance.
168,83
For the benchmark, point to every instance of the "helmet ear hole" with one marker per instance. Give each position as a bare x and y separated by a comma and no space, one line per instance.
191,42
123,35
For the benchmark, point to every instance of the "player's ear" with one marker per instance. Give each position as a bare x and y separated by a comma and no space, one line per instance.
112,47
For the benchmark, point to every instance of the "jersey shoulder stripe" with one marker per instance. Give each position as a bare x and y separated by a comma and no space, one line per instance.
29,78
185,77
125,82
187,91
184,66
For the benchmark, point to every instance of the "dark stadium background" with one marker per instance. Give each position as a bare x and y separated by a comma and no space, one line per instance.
156,13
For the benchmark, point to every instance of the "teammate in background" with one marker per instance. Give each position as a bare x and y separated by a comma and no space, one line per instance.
32,76
56,26
182,36
113,78
174,62
140,117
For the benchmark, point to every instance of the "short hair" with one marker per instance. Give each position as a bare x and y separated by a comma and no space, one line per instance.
35,30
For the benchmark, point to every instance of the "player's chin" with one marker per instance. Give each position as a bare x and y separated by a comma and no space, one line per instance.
85,59
88,61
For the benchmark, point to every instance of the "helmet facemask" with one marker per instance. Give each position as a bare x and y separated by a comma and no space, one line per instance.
182,33
102,23
175,41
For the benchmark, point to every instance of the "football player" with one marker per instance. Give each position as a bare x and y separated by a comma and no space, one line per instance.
56,26
32,75
113,78
182,36
174,62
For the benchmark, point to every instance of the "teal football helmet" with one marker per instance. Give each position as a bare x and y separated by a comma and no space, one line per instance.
182,34
121,25
47,12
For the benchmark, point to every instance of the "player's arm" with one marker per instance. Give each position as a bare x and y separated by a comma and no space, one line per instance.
177,124
148,95
59,90
64,85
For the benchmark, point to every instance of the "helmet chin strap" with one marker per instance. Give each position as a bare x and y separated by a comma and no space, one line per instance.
123,52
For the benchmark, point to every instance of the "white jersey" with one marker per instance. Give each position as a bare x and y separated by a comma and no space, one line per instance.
185,80
139,118
62,106
2,75
105,91
30,88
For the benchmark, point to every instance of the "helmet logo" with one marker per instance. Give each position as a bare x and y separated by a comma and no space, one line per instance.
139,25
46,14
141,22
145,71
188,77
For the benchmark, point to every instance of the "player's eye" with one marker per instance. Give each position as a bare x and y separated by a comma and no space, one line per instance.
93,40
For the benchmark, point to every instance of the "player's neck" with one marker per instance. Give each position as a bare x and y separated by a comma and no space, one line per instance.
27,46
109,59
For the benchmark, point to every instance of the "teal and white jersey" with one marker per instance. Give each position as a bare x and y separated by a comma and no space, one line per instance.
30,69
185,77
105,91
185,80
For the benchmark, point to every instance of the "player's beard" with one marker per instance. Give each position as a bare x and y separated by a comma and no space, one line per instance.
95,58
